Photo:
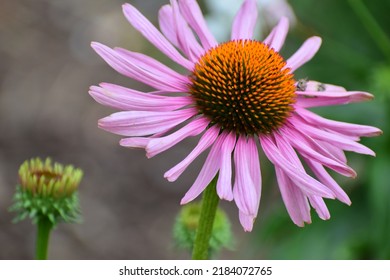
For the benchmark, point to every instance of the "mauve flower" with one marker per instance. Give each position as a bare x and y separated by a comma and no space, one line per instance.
240,95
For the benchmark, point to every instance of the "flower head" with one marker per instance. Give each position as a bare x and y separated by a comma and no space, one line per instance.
47,190
240,95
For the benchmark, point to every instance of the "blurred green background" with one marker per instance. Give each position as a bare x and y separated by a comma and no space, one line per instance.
46,68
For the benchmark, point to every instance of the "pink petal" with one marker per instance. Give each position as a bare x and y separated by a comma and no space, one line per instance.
278,35
174,28
167,24
300,178
245,21
158,145
224,183
246,221
315,201
135,142
304,53
327,180
320,207
308,147
337,140
342,127
151,33
151,65
127,67
185,37
287,150
193,15
294,199
247,184
205,141
133,100
140,123
125,90
328,97
336,152
208,171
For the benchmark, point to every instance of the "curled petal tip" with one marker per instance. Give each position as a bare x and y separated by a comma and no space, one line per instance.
366,96
184,201
96,45
166,176
101,122
225,197
149,155
126,6
380,132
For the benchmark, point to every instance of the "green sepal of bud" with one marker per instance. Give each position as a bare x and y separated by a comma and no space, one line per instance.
186,224
47,191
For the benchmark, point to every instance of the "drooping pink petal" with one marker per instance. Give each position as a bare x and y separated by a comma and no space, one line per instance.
205,141
224,183
125,66
135,142
185,37
175,28
337,140
208,171
245,21
151,65
158,145
308,184
118,88
327,180
139,22
316,201
304,53
246,221
129,99
167,24
278,35
141,123
287,150
342,127
336,152
193,15
308,147
320,207
294,199
247,183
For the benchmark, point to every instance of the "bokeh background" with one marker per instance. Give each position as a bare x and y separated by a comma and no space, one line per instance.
46,68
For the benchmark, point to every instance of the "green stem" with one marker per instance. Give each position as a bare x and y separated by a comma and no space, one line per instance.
206,221
372,26
44,227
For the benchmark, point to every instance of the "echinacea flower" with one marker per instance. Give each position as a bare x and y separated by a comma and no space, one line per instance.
240,95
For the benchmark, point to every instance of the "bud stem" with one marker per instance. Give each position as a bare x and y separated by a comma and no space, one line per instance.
43,234
209,207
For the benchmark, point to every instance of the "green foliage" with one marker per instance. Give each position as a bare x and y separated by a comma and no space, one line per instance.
184,229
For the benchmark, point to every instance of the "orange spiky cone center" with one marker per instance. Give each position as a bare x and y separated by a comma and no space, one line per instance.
243,86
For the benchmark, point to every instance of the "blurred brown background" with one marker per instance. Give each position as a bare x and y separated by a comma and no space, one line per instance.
46,68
